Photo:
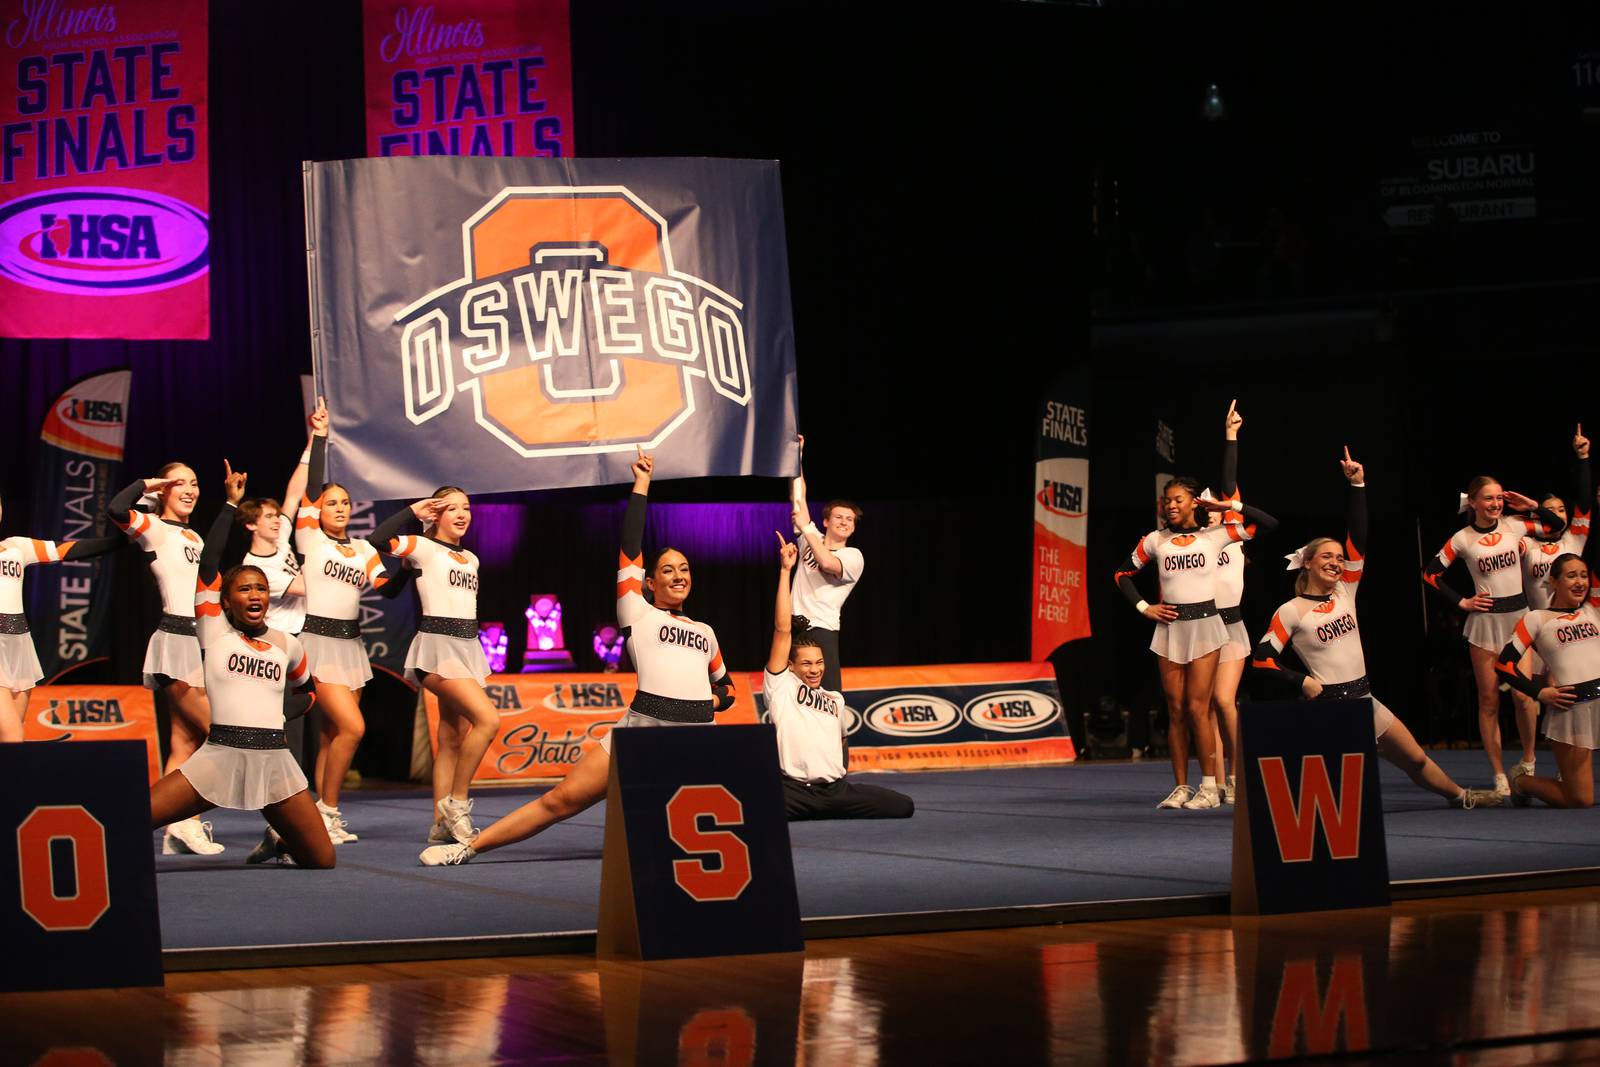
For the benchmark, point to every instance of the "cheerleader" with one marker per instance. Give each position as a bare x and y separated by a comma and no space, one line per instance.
681,679
337,570
172,657
446,658
1230,595
813,752
1189,633
1320,625
1567,637
19,660
245,762
1492,548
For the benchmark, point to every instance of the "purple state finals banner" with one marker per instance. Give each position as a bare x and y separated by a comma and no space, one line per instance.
512,324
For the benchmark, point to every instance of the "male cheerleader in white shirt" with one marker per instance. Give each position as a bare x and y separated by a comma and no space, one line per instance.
828,572
810,720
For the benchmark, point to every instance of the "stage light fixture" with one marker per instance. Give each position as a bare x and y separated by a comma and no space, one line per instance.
1212,108
608,642
492,636
547,645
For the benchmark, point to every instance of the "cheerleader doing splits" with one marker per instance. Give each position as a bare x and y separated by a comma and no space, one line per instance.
1492,549
1567,636
1320,625
172,657
1189,633
446,658
337,570
245,761
19,660
682,681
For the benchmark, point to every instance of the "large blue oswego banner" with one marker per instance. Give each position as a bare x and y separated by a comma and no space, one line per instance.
508,324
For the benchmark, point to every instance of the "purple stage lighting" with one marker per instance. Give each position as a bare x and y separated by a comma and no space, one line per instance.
547,645
492,636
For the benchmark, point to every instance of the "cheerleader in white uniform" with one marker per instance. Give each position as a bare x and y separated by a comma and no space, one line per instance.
1567,636
1230,597
172,658
337,570
681,679
1320,626
1492,549
19,660
1189,633
245,761
447,659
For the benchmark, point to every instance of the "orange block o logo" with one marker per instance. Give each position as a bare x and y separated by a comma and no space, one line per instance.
92,896
732,875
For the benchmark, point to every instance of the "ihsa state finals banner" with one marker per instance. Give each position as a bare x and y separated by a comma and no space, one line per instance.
1061,516
468,78
511,324
104,174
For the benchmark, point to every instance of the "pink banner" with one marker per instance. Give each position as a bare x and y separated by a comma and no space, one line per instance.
104,170
468,78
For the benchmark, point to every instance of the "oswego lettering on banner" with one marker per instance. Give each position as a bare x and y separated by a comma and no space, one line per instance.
539,291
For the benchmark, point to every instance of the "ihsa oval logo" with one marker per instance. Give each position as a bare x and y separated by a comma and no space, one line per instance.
1012,711
105,240
913,715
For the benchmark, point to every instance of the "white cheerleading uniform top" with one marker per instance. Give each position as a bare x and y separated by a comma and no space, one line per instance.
820,596
175,557
1568,642
16,555
675,656
245,676
1537,555
1494,558
338,571
810,724
447,576
1323,631
1186,560
285,613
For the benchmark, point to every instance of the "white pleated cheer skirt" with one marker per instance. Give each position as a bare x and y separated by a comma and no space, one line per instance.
633,718
1238,646
448,657
1491,629
1382,718
19,662
337,660
175,655
1578,726
1188,639
245,778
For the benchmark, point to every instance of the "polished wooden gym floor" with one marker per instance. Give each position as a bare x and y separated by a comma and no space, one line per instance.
1471,980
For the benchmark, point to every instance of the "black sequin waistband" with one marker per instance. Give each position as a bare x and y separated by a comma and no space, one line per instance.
13,624
253,737
1202,609
671,709
183,625
1231,615
1503,604
465,629
322,626
1585,691
1361,687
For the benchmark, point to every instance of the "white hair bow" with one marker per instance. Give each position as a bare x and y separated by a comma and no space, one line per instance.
1297,559
1465,505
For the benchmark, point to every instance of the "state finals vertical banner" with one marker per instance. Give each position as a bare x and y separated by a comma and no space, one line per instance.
104,172
1061,516
79,469
468,78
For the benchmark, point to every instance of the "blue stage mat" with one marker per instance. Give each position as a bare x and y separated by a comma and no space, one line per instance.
980,839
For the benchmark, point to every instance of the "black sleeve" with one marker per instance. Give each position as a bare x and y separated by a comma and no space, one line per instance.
1433,576
90,547
1553,524
1357,521
1267,658
123,503
296,702
1230,468
216,541
390,528
1264,523
633,525
316,468
1506,666
722,693
396,576
1129,590
1584,477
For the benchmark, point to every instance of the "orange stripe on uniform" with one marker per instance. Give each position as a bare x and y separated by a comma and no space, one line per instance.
1278,631
1448,552
624,562
716,662
1522,633
403,546
208,609
629,585
1140,554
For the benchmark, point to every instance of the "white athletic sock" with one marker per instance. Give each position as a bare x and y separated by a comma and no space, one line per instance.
1208,782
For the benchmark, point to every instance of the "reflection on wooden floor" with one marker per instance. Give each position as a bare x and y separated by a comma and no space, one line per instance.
1475,980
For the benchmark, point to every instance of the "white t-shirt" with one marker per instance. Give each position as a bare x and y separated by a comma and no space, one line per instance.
818,595
285,613
810,724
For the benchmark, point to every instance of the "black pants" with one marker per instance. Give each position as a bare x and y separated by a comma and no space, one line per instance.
829,641
842,799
